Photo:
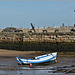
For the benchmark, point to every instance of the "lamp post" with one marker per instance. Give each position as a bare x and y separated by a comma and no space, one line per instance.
74,18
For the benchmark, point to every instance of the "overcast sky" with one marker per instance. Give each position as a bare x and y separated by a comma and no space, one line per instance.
40,13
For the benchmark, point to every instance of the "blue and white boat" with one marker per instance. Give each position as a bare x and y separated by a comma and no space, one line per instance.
38,59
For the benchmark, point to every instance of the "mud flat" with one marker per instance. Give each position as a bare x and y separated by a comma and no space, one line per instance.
9,65
14,53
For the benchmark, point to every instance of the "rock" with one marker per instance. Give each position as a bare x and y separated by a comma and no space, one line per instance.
72,65
70,71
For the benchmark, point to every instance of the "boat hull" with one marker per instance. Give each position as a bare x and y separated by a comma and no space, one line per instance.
38,59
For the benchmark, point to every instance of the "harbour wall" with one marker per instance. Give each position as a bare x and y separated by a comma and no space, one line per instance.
61,42
39,46
37,37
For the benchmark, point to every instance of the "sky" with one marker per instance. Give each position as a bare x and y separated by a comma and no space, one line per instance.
39,13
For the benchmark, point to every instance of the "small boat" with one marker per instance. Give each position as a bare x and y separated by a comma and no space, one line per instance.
38,59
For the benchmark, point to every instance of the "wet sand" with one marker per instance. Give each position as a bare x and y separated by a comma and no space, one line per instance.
9,65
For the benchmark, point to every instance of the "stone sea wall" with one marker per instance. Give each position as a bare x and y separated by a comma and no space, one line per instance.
62,41
37,37
39,46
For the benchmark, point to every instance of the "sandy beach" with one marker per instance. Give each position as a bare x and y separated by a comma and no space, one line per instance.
4,52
